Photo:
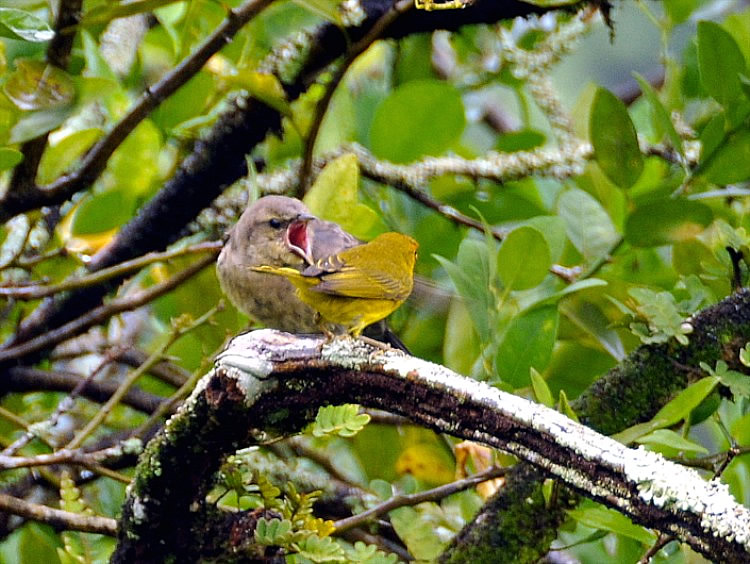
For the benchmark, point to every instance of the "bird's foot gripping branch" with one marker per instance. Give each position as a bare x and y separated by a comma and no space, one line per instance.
271,381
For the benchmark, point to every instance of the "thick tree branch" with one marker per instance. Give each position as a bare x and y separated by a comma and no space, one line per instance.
269,379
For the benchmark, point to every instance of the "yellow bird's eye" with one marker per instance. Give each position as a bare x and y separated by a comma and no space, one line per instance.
275,223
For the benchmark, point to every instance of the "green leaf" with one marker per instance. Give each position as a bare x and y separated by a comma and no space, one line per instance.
38,123
590,318
9,158
36,85
667,221
553,229
272,532
599,517
589,227
319,549
326,9
342,420
470,276
334,197
720,62
421,117
418,533
524,140
661,117
61,155
106,12
614,139
527,343
566,408
730,162
673,412
102,212
523,260
542,392
671,440
19,24
660,311
738,383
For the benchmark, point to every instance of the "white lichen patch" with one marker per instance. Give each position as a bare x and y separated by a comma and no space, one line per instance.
139,510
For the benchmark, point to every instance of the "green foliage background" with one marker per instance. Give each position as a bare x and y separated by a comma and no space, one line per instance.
643,226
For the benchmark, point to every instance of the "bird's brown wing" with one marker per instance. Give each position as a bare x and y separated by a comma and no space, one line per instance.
356,283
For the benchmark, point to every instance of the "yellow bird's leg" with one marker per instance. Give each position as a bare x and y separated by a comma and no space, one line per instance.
318,320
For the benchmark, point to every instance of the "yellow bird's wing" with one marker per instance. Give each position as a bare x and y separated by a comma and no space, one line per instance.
355,283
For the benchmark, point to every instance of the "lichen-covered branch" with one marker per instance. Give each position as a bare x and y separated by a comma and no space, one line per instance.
639,386
273,381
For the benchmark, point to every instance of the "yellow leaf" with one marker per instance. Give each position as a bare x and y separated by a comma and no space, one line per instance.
334,197
426,462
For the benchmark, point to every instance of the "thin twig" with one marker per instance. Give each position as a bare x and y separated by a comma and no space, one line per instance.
434,494
58,518
103,312
660,543
96,159
64,405
39,291
398,8
128,382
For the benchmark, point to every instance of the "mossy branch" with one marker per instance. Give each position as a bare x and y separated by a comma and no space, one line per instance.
273,382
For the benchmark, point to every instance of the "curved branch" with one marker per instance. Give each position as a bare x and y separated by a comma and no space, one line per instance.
267,378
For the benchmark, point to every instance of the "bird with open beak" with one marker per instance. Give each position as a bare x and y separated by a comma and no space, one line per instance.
281,231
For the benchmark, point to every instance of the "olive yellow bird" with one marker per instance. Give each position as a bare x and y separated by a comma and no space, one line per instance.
357,286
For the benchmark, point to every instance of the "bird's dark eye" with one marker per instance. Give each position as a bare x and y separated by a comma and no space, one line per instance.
275,223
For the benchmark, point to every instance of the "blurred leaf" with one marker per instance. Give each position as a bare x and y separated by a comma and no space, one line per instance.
470,276
426,462
542,392
566,408
720,62
661,116
524,140
679,10
673,441
36,85
553,229
589,317
523,260
326,9
333,196
599,517
37,123
60,156
527,343
589,227
422,117
614,139
18,24
731,161
266,88
460,343
738,383
104,13
419,534
667,221
9,158
673,412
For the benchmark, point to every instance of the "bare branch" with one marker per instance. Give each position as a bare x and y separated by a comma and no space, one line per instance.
58,518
